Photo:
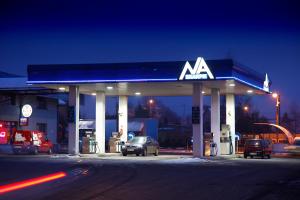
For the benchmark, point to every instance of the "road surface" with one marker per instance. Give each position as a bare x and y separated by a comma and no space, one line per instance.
163,177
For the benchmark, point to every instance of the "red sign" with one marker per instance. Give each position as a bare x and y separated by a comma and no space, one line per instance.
3,134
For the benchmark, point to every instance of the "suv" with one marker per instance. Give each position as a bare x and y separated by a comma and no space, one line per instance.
258,147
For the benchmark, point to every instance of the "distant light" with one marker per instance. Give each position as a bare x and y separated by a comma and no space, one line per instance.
151,101
203,92
62,88
30,182
249,91
231,85
137,93
246,108
275,95
94,94
109,87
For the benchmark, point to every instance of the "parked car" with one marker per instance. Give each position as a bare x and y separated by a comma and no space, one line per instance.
25,141
258,147
295,147
140,145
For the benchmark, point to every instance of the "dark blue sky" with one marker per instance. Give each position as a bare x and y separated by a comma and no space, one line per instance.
264,35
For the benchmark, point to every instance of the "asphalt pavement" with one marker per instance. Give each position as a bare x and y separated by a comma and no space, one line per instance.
163,177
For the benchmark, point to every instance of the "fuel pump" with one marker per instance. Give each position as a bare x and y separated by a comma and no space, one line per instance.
226,146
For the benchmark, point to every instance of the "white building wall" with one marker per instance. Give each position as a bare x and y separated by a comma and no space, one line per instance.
48,116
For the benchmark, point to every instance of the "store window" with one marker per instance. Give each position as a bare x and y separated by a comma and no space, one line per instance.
42,127
81,99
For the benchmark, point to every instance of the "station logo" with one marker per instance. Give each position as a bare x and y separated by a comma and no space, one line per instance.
267,84
200,71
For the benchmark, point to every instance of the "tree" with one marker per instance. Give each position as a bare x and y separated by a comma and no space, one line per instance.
294,115
141,112
245,120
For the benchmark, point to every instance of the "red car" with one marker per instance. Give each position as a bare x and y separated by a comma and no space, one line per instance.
31,142
3,134
258,147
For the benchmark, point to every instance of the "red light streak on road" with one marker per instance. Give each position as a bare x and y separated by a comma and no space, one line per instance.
31,182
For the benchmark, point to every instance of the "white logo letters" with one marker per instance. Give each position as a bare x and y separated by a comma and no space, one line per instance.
200,71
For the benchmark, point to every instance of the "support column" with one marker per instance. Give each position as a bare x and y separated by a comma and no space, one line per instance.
73,139
230,117
197,124
123,117
215,117
100,121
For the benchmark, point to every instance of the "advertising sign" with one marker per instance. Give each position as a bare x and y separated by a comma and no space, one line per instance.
23,121
26,110
200,71
3,134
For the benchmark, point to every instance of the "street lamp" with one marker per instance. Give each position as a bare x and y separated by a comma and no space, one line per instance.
151,102
246,108
277,97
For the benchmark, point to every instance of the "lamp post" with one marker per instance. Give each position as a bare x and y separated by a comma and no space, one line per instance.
151,102
277,97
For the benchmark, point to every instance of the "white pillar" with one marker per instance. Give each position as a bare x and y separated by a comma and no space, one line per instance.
198,125
215,117
230,117
123,117
100,121
73,126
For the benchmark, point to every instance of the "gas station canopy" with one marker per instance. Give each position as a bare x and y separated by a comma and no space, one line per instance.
173,78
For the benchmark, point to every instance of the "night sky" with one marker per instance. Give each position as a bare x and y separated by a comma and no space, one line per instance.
264,35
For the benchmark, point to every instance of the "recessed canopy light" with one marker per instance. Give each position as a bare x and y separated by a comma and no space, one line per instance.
231,84
109,87
203,92
137,93
94,93
250,91
61,88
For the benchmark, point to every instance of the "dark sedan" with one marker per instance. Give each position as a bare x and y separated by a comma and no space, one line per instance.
141,145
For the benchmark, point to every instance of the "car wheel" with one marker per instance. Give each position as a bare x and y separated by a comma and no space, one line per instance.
35,151
245,155
251,156
124,154
156,152
145,152
269,156
137,154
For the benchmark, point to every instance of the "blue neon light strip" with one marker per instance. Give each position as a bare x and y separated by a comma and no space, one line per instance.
240,80
139,80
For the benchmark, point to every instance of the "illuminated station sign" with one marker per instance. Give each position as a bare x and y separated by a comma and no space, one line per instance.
200,71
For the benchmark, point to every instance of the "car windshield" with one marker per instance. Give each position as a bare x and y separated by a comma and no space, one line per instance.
139,140
253,142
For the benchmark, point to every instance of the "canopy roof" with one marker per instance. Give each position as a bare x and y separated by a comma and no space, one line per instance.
151,78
